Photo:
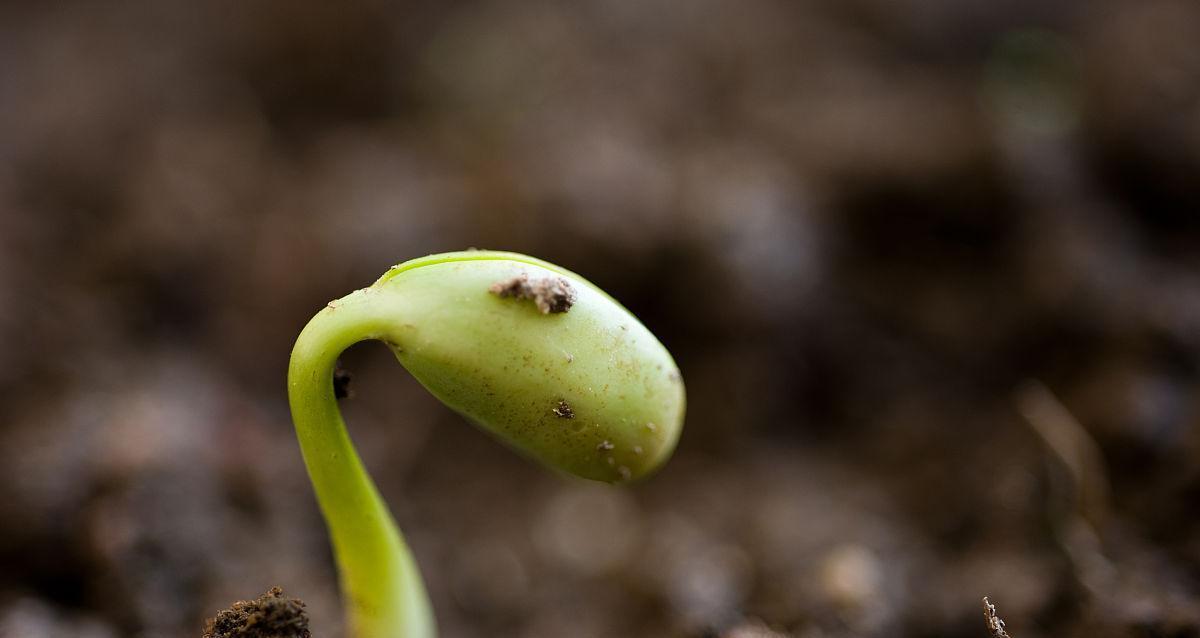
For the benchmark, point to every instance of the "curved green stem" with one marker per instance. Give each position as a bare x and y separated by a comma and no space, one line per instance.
385,597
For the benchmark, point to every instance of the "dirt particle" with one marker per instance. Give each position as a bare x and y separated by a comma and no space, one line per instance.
637,449
563,410
625,473
341,382
269,616
994,624
552,295
605,446
651,427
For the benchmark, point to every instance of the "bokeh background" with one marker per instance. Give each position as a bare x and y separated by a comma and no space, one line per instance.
931,270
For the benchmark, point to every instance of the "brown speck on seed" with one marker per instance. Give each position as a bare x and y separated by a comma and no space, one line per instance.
269,616
514,287
605,446
552,295
563,410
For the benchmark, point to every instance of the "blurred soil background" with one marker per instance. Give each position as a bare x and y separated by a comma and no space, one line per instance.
931,270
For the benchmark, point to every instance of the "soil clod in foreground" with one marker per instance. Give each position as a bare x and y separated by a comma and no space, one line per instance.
272,615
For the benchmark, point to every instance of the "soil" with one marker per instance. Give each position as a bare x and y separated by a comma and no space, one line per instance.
551,295
995,624
930,271
271,615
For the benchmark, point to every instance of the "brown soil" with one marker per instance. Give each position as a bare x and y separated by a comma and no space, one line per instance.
930,270
552,295
269,616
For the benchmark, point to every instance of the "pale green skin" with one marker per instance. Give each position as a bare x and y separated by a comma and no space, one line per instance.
503,365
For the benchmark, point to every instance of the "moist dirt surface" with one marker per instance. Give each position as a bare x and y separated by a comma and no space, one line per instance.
930,272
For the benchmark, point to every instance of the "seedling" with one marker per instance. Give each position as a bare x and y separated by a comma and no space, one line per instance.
530,352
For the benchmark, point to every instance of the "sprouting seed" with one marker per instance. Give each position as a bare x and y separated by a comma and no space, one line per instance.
439,315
